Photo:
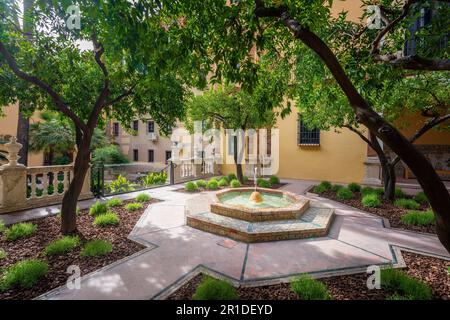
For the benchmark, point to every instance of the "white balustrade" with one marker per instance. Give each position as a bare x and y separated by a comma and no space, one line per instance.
28,187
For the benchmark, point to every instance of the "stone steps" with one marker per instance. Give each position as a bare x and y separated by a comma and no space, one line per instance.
315,222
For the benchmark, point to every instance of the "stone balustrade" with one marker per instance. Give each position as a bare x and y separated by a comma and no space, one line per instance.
32,187
188,169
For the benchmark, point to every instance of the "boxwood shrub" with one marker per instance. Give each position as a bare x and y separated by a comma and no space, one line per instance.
20,230
344,194
354,187
24,274
106,220
371,200
404,285
214,289
419,218
310,289
61,246
98,208
407,204
96,248
191,186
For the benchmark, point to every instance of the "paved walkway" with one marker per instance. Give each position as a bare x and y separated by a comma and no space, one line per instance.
176,252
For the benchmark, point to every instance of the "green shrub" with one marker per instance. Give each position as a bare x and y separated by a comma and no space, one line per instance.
106,220
98,208
2,226
326,185
143,197
223,182
245,179
191,186
399,193
407,204
354,187
25,274
235,183
20,230
231,177
319,189
214,289
310,289
421,198
134,206
274,180
344,194
201,183
96,248
212,184
367,190
419,218
262,183
62,245
114,202
2,254
108,155
154,178
405,285
371,200
336,187
121,184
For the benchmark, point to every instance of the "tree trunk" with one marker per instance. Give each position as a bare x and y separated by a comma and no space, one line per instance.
391,179
430,182
70,199
23,128
239,174
23,123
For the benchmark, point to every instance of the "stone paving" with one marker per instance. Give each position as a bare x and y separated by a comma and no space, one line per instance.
176,252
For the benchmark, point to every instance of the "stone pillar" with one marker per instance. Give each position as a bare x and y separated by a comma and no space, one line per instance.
86,189
372,174
13,178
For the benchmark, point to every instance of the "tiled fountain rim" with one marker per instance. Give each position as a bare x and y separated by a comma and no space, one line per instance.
298,201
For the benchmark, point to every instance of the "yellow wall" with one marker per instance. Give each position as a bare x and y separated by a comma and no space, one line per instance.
339,158
409,124
8,126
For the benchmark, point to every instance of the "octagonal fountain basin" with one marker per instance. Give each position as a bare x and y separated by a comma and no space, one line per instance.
275,204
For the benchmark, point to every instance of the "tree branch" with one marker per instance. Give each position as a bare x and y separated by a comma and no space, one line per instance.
426,127
412,62
60,104
100,102
361,135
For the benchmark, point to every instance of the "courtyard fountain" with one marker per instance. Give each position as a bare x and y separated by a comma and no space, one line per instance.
253,214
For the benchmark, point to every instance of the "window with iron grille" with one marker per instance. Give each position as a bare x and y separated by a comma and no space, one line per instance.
135,155
307,136
116,129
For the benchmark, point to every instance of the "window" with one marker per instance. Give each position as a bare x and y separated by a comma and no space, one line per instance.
307,136
151,155
135,155
168,155
116,129
231,144
136,125
415,44
151,126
